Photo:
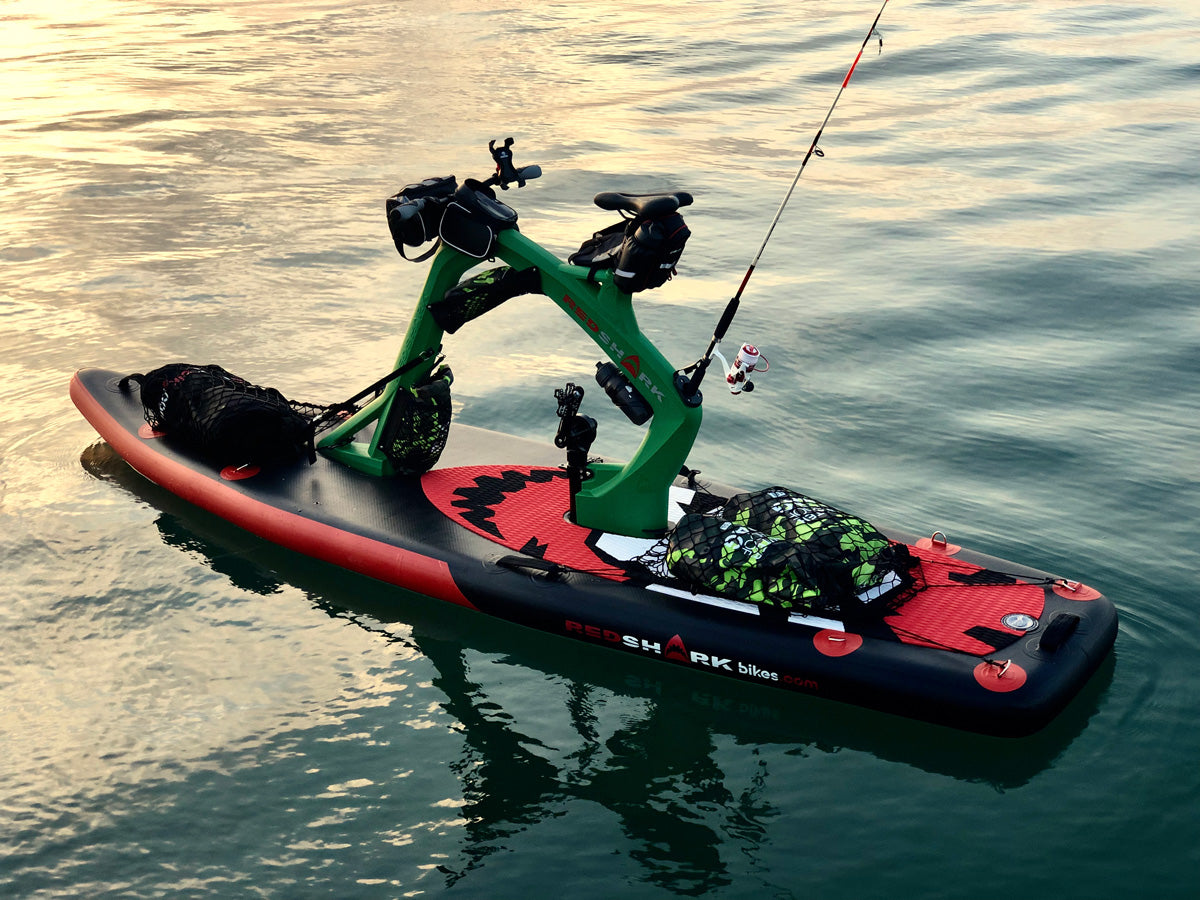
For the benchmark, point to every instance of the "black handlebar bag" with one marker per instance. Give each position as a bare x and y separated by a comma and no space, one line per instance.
473,219
415,213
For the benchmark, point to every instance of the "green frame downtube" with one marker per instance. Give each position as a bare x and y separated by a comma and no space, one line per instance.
630,499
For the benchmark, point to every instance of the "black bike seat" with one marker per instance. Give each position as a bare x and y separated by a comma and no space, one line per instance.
649,205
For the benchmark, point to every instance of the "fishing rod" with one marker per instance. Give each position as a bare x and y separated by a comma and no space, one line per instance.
744,363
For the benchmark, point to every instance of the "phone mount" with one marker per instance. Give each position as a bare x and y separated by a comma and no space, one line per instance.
506,172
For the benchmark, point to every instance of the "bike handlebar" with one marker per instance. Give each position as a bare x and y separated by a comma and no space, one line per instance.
406,211
506,175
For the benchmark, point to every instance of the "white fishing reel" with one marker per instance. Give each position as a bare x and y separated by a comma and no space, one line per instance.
746,363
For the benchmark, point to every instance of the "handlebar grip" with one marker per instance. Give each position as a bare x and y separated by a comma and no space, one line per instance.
530,172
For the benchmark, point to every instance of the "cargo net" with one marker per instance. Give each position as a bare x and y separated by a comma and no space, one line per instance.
224,418
791,553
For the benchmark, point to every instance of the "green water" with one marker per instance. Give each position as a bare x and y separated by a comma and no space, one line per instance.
980,313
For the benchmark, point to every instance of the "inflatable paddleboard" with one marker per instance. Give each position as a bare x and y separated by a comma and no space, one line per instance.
982,644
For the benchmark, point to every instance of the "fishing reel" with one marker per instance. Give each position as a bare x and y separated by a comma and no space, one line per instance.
746,363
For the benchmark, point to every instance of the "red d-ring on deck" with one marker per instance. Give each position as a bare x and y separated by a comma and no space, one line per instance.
938,543
1000,677
1074,590
239,473
836,643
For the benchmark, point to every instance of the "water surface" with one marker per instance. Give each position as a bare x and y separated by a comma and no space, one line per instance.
980,314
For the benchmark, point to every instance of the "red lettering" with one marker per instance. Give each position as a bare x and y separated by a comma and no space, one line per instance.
581,313
595,631
804,683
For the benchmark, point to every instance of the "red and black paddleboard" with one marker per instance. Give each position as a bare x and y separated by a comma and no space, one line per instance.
984,645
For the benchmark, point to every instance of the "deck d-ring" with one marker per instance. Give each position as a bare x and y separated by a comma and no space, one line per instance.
1074,590
938,543
1001,676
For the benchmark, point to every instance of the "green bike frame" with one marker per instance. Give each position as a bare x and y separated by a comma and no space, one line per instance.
629,499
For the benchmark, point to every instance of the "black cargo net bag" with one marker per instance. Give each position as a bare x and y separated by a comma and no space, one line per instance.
418,424
224,418
791,553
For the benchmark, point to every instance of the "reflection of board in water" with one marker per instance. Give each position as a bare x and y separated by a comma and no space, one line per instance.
595,694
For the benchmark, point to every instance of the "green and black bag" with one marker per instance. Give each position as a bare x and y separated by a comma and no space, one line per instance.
482,293
712,554
418,424
782,549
